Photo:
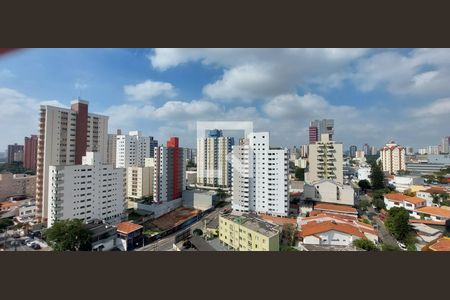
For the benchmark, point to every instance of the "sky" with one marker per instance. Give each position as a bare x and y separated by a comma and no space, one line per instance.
374,95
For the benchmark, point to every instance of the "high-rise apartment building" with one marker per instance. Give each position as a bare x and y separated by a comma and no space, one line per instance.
112,147
304,151
433,150
30,152
374,150
367,150
169,172
325,161
259,176
12,150
213,165
409,151
87,191
319,127
353,150
445,148
140,181
393,158
65,135
133,148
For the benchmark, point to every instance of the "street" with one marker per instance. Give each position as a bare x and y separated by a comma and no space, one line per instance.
384,234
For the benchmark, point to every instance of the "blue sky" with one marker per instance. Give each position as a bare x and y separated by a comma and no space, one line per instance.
374,94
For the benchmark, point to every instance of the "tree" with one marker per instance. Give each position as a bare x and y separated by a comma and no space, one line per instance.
365,244
68,235
377,176
379,203
364,204
288,234
435,198
364,184
397,222
5,223
444,196
198,232
221,193
300,174
386,247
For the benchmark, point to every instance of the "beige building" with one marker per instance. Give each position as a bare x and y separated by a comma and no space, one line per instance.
17,185
65,135
112,147
139,182
325,161
393,158
248,233
330,192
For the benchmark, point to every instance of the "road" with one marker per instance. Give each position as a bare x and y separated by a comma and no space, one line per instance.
166,244
383,233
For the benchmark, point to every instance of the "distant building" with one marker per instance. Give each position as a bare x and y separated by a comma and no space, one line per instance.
260,176
445,145
248,233
433,150
393,158
364,173
359,155
169,172
30,152
18,156
133,148
213,164
432,164
399,200
329,191
88,191
366,149
139,182
352,151
325,161
403,183
17,185
422,151
409,151
304,151
319,127
12,150
111,151
374,150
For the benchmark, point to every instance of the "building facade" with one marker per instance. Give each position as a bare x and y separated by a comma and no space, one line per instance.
17,185
12,153
325,161
88,191
112,147
139,182
393,158
65,135
319,127
169,172
30,152
329,191
259,176
133,148
213,164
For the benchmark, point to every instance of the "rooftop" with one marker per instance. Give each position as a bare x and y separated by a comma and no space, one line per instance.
397,197
335,207
442,244
278,220
319,227
254,223
128,227
436,211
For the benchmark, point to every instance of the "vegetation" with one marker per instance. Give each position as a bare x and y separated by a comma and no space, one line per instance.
5,223
386,247
68,235
397,223
364,185
409,193
364,204
198,232
371,159
288,234
365,245
15,168
221,194
300,174
377,176
191,164
288,248
403,172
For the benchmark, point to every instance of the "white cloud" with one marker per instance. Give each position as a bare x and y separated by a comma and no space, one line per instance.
262,73
149,89
6,74
19,116
80,85
438,108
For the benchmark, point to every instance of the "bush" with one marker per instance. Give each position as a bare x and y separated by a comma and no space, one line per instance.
364,204
365,245
4,223
386,247
397,222
198,232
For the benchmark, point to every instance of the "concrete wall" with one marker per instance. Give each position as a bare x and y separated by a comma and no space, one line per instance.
160,209
326,191
199,200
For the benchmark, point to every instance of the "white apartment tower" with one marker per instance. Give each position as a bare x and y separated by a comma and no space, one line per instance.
325,161
65,135
213,166
132,149
393,158
86,191
259,176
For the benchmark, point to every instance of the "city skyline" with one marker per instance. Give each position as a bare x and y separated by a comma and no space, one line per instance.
163,92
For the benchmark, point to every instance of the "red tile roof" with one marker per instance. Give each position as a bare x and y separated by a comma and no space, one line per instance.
397,197
442,244
429,222
335,207
435,211
279,220
346,216
128,227
314,228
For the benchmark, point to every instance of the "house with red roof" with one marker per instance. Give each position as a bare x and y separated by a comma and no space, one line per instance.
129,236
400,200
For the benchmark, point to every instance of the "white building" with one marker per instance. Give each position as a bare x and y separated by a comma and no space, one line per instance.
213,165
301,163
91,190
359,155
329,191
403,183
433,150
400,200
259,176
65,135
325,161
132,149
364,173
428,193
393,158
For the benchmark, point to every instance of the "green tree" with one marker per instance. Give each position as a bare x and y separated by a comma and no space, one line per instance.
397,222
377,176
364,184
300,174
221,194
68,235
198,232
444,196
364,204
4,223
386,247
288,234
365,244
435,198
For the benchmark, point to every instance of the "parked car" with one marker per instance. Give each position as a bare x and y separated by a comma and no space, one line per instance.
29,242
35,246
16,235
401,245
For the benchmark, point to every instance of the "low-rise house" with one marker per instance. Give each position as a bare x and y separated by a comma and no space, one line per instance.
441,244
193,243
427,194
336,209
432,213
129,236
245,232
329,191
400,200
325,229
403,183
103,236
426,233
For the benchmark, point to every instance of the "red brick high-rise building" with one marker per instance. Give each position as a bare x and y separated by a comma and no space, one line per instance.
30,156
